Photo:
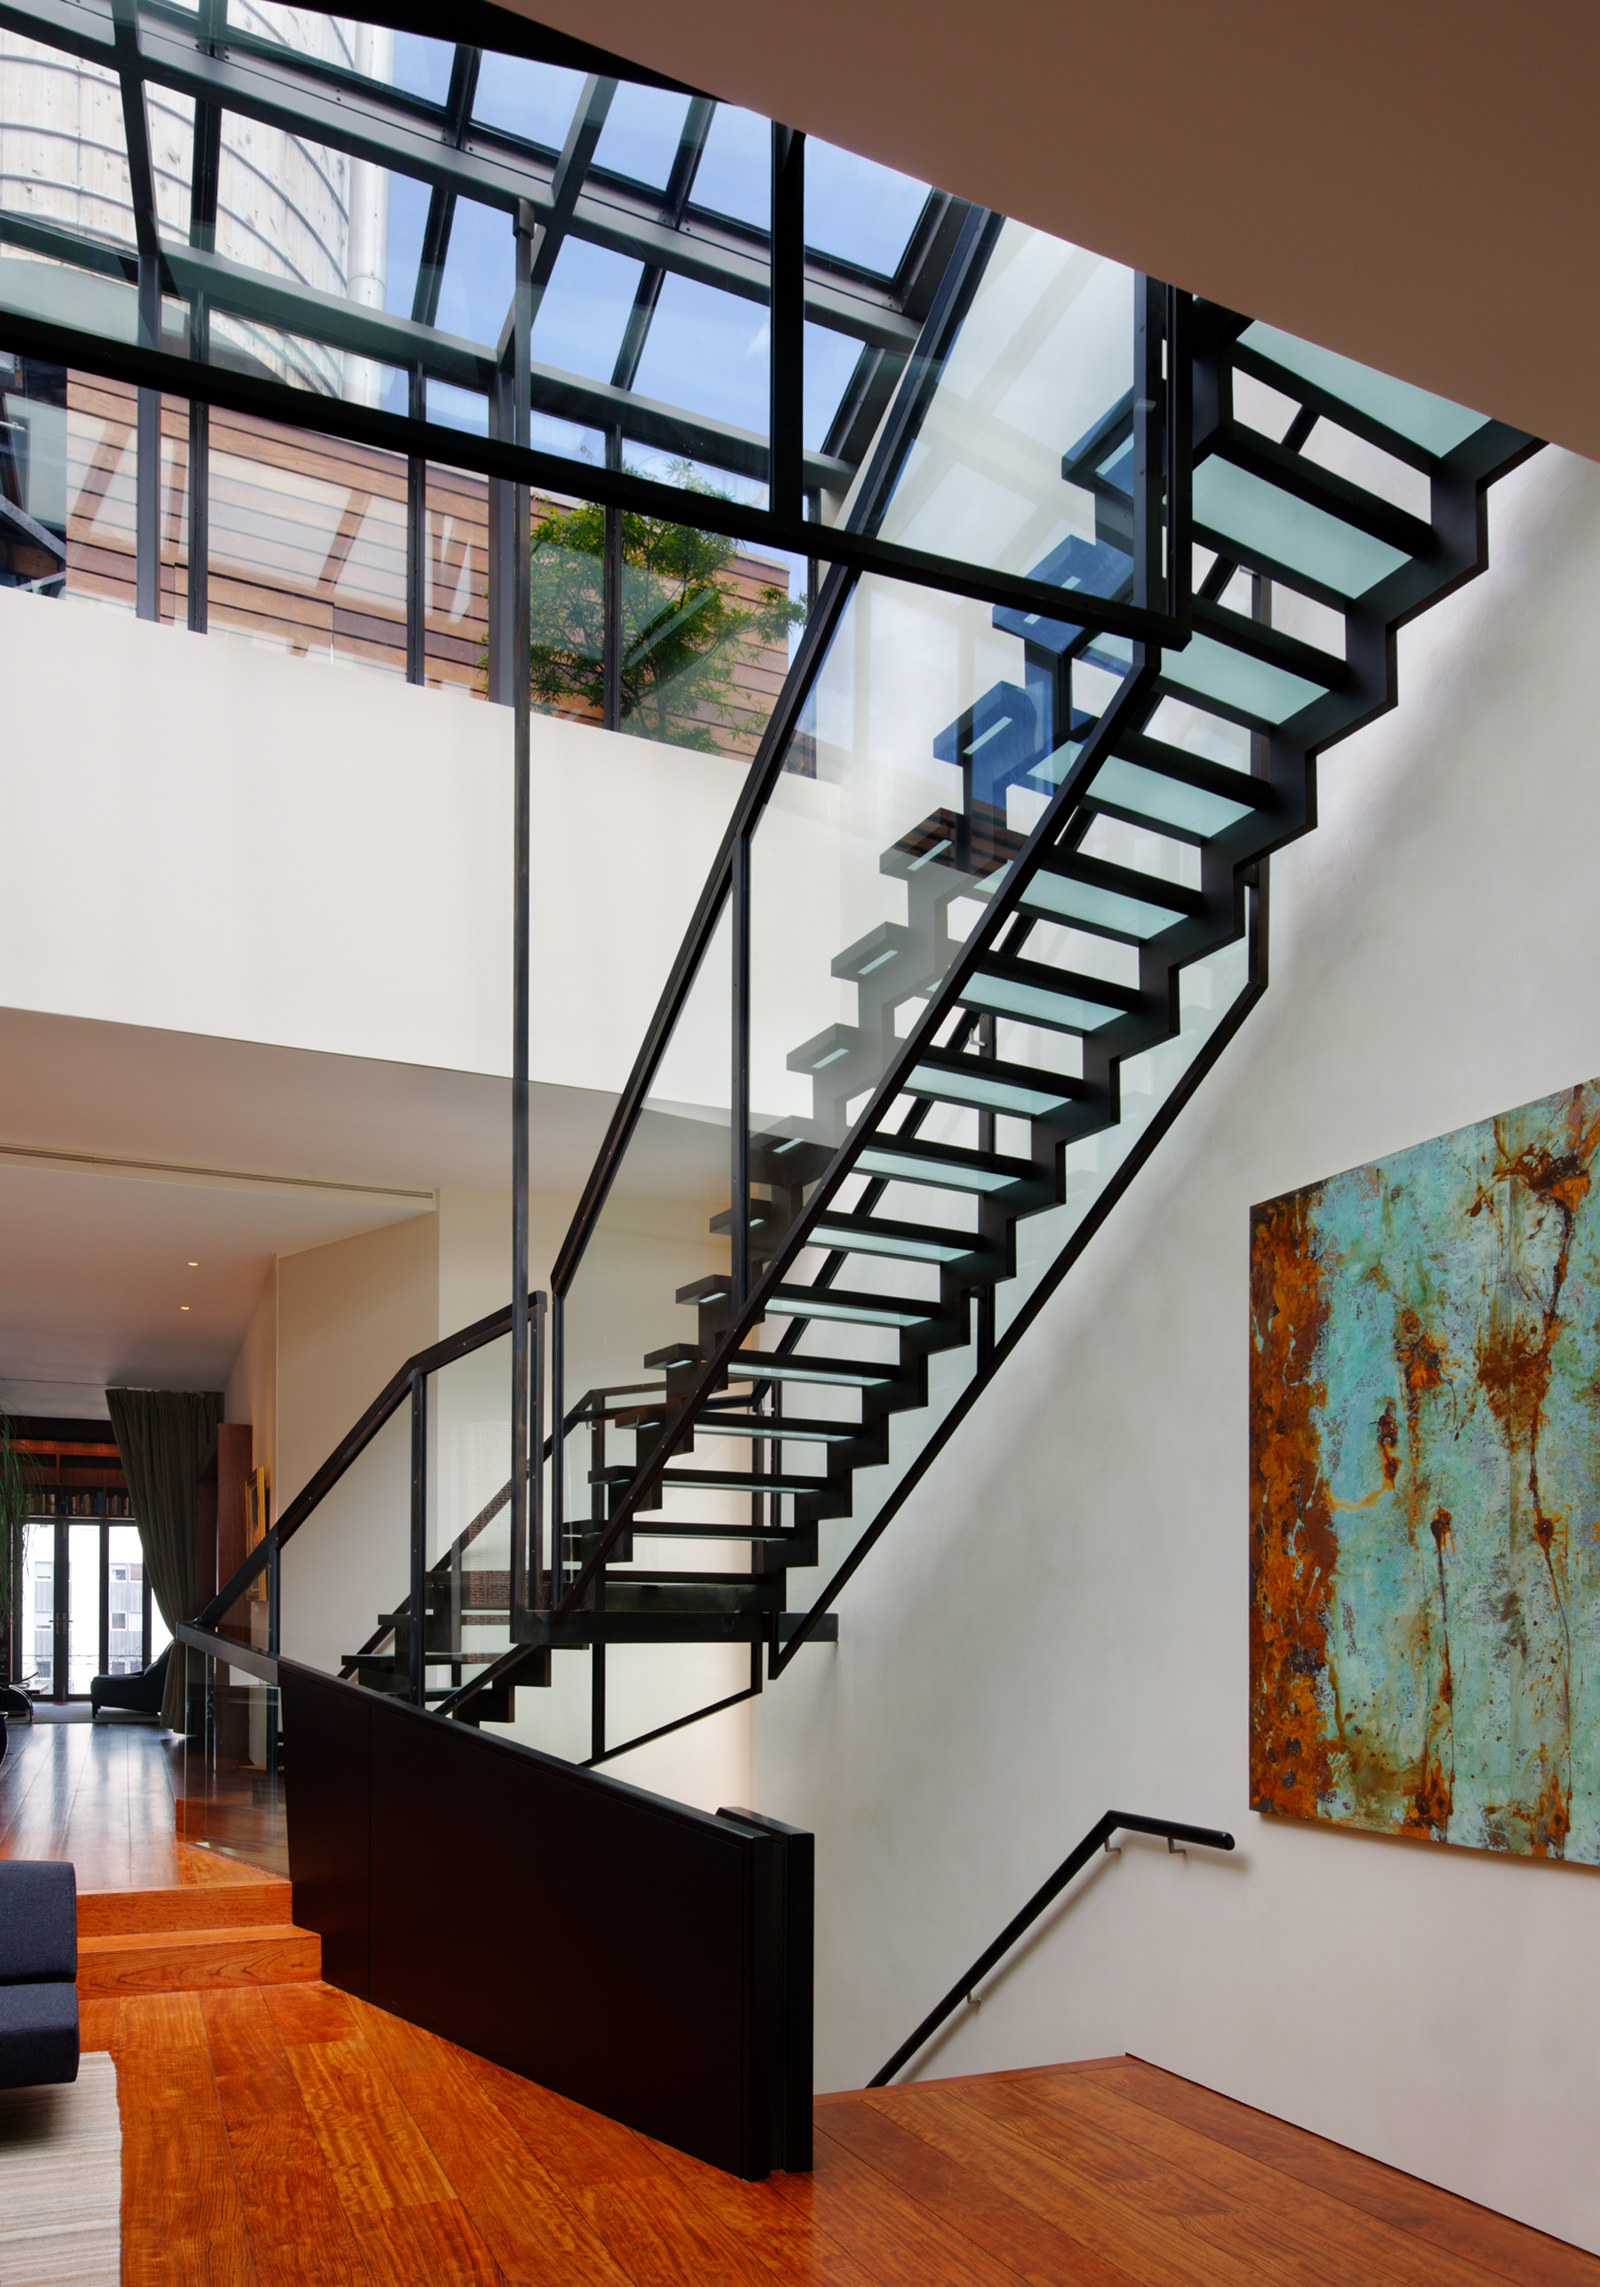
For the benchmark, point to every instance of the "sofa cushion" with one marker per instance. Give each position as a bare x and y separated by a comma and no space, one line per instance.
38,2035
38,1920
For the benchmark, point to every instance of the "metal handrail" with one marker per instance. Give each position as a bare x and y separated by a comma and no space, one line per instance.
1097,1838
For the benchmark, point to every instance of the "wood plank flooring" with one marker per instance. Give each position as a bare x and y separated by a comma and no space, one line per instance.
282,2134
291,2134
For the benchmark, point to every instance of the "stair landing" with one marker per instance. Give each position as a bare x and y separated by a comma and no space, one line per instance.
396,2155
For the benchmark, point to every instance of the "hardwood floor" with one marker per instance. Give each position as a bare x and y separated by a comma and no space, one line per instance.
291,2134
281,2134
101,1794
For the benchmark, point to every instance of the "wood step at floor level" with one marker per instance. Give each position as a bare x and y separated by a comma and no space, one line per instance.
225,1906
125,1963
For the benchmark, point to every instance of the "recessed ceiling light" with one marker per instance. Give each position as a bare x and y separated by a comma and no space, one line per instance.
194,1266
183,1306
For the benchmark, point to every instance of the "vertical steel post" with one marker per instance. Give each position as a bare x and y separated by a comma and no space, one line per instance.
786,325
419,1539
521,701
558,1462
416,541
611,601
1149,456
739,1079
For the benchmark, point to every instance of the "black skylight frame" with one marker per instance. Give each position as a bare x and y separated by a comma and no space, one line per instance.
549,198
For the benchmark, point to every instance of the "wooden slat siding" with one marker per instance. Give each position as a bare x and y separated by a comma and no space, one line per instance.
407,2220
1496,2245
183,2222
308,549
297,2226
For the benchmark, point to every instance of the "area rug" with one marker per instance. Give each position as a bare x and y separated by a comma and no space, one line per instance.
61,2181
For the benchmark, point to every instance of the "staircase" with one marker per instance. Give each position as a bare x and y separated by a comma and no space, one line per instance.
1082,929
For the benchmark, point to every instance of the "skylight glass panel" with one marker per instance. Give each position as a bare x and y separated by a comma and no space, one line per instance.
422,66
641,134
585,309
535,101
708,352
408,219
858,211
831,359
548,434
734,176
455,408
480,272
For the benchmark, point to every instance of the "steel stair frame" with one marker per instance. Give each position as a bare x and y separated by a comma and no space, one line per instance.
1353,692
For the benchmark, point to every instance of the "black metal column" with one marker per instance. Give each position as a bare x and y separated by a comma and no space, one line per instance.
786,323
739,1084
418,1645
521,702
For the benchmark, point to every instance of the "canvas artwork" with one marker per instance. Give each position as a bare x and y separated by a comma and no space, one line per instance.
1425,1473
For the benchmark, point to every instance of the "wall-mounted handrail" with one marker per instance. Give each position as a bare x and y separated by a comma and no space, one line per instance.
1098,1836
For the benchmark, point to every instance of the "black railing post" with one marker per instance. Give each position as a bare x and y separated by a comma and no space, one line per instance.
739,1079
419,1539
522,800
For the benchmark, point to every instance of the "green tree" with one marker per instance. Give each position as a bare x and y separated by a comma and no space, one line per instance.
686,628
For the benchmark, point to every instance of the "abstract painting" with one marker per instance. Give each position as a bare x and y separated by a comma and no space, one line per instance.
1425,1490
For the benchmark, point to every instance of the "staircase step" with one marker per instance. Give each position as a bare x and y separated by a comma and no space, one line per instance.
1286,518
714,1480
1149,783
986,1084
1110,901
209,1906
909,1242
951,1167
786,1427
121,1964
1395,415
795,1366
854,1309
1062,1000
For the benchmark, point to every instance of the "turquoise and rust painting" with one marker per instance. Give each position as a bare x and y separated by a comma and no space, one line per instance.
1425,1490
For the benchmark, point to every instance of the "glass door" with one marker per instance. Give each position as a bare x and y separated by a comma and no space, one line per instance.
86,1606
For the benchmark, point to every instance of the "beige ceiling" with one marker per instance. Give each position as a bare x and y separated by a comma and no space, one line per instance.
1414,184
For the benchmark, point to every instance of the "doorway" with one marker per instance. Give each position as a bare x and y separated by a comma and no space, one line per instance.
86,1606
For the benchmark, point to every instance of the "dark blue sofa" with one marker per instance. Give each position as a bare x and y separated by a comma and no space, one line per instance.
38,1963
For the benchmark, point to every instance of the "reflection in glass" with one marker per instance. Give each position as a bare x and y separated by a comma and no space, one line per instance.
530,100
859,211
641,134
734,177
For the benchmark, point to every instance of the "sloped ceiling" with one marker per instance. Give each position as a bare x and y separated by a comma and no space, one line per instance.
1415,185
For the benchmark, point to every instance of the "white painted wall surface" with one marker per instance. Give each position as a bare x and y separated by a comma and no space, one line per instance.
281,850
1057,1622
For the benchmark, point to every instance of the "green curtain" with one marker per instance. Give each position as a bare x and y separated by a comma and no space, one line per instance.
162,1436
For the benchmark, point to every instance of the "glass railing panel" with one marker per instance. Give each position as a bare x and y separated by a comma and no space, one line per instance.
664,1229
345,1573
469,1514
1021,457
455,571
231,1802
307,543
926,751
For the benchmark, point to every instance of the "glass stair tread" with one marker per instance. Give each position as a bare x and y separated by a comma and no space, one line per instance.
857,1309
948,1167
1110,900
706,1480
1257,503
1061,1000
987,1084
1419,423
909,1242
784,1427
798,1366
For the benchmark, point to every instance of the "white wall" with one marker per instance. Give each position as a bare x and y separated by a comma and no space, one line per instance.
1057,1622
319,857
252,1388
